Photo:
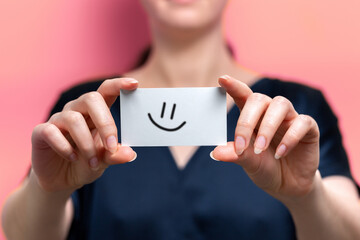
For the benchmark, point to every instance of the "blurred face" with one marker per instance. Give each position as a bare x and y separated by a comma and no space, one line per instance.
184,14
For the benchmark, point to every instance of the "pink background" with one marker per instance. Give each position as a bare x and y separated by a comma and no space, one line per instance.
46,46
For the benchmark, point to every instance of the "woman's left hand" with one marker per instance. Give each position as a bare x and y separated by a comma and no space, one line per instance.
277,147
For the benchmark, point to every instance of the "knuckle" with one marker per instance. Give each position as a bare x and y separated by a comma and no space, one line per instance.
293,135
107,123
47,129
270,123
258,97
92,97
37,130
306,119
68,105
64,147
107,82
244,124
282,101
73,117
87,148
54,116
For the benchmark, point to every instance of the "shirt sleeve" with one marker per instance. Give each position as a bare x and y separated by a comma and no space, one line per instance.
333,158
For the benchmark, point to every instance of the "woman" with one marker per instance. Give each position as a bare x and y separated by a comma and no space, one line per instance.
285,182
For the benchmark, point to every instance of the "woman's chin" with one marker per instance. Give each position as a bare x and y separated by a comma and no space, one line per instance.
185,14
183,2
186,19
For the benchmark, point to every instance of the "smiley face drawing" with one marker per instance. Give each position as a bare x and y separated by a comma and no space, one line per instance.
171,117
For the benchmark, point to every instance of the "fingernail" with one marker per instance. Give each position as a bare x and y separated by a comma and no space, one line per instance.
239,145
131,80
212,156
73,157
94,163
112,144
259,144
225,77
133,158
280,151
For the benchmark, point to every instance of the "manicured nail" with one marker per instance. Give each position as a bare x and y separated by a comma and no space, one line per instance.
94,163
225,77
212,156
239,145
73,157
112,144
131,80
259,145
135,156
280,151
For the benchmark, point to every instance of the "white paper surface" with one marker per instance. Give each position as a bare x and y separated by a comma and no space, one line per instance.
173,116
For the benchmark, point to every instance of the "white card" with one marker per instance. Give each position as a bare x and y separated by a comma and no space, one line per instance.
173,116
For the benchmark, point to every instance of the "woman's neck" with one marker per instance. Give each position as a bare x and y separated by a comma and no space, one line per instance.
190,59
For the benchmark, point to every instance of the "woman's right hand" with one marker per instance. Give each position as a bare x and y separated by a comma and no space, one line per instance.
77,144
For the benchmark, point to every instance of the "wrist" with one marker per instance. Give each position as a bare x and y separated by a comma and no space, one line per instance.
35,187
308,201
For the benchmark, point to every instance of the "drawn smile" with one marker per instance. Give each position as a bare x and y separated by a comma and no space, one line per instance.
171,117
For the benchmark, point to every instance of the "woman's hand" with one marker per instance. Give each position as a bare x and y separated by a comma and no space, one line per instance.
76,145
277,147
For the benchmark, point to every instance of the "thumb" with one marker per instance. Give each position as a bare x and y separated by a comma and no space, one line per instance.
123,154
248,159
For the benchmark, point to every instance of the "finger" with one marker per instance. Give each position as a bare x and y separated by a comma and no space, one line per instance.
75,124
250,115
279,110
304,129
92,104
54,138
225,153
248,160
123,154
110,89
238,90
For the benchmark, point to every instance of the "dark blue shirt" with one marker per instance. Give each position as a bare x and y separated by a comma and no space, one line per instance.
151,198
